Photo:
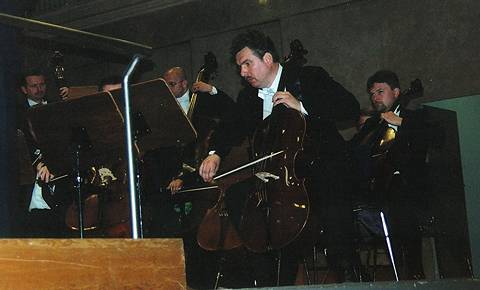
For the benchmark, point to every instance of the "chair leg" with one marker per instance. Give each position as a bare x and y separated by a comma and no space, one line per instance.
221,261
315,274
307,272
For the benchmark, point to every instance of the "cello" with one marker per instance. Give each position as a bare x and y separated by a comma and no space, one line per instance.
379,140
276,213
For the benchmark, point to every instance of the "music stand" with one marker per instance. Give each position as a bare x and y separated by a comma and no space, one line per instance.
73,134
155,120
158,120
96,123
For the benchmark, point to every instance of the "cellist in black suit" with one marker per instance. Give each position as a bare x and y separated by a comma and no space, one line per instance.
42,220
395,179
323,102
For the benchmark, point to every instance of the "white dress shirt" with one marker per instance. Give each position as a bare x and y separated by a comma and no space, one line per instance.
266,94
396,112
184,101
37,201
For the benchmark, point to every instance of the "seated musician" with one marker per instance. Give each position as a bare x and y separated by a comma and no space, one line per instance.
212,106
41,219
322,101
172,168
396,183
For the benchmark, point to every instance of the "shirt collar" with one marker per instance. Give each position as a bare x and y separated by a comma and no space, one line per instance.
184,100
185,97
397,110
274,86
32,103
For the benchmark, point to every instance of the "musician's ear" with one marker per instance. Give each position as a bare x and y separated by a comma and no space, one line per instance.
24,90
396,92
268,58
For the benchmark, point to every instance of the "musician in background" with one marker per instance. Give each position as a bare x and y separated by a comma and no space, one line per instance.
171,168
322,101
42,220
400,189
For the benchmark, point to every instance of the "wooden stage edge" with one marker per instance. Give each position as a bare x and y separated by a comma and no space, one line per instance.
92,264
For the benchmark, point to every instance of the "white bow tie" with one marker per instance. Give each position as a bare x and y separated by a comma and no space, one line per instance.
267,91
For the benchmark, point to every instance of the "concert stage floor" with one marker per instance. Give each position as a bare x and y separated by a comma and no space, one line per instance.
448,284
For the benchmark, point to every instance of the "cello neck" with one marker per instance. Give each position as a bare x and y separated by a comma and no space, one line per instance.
193,100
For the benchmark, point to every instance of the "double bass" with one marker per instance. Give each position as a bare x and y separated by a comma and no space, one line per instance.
204,125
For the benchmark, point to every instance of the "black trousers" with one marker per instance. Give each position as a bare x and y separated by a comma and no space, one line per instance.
45,223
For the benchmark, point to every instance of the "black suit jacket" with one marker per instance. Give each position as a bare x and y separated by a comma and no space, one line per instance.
325,100
406,157
62,188
324,165
22,124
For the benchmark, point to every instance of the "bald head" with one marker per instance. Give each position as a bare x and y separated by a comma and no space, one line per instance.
176,81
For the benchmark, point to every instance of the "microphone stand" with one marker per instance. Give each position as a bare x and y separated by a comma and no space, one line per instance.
129,145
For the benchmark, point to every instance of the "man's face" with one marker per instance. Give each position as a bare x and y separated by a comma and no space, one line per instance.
383,97
177,85
256,71
35,88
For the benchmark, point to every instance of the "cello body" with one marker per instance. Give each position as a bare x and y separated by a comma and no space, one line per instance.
277,211
216,232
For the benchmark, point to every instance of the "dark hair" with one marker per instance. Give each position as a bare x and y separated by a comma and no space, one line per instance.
383,76
29,72
110,80
257,41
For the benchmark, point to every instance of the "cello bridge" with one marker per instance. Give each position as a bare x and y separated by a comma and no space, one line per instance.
264,176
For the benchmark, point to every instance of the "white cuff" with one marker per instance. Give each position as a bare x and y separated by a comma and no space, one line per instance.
302,109
37,201
213,91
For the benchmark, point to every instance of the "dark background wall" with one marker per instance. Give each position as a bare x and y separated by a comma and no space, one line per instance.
10,63
434,40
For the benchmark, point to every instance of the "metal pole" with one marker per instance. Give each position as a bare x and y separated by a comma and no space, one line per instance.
389,245
78,187
129,145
